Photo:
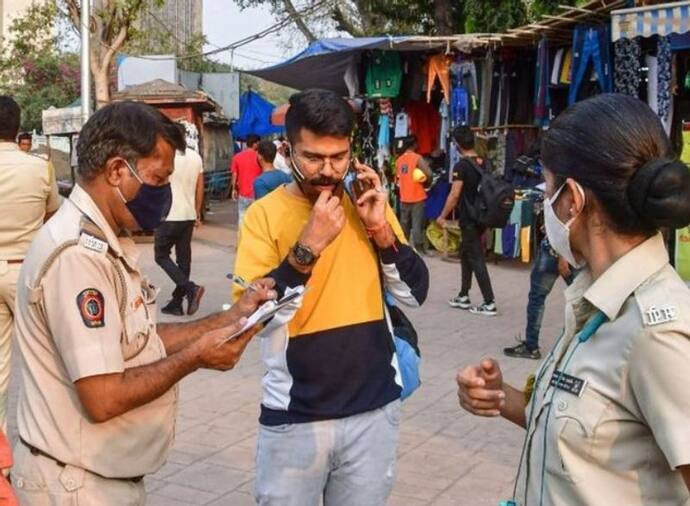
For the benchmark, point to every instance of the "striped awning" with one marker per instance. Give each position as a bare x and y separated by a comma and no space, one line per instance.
662,19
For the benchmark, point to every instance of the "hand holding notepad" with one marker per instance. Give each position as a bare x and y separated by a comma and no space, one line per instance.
269,309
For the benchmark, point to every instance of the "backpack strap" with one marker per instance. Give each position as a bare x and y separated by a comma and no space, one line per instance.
475,165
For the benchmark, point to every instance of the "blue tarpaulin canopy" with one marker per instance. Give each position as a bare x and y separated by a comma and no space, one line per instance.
255,117
326,62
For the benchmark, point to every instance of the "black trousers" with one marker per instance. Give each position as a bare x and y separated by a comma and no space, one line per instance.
177,234
472,262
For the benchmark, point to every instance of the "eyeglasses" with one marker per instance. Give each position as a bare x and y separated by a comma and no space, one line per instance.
316,163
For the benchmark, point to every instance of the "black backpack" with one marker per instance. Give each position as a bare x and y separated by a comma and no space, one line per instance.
494,201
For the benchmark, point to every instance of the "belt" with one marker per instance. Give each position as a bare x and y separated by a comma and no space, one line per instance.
36,452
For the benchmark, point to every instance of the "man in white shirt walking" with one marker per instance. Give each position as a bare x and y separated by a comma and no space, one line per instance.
187,184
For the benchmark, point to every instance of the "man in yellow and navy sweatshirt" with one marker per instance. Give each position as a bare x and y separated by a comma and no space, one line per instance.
330,413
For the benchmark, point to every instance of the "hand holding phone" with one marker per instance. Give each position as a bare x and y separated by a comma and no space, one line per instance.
359,186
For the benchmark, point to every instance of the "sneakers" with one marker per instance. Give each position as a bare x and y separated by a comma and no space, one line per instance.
522,351
194,299
460,302
173,308
486,309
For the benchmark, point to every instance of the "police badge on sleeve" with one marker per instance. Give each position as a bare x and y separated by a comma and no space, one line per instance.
91,308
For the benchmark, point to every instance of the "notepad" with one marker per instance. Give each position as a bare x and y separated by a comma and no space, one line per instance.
268,310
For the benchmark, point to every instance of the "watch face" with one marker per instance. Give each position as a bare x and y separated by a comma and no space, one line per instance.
303,255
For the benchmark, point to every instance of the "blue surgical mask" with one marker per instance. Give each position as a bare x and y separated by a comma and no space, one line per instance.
150,205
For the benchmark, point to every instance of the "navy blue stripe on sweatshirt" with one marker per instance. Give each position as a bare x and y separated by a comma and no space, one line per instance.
338,373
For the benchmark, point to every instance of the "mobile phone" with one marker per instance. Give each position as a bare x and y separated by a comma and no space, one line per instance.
359,186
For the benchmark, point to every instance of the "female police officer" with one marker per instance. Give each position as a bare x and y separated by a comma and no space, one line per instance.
607,414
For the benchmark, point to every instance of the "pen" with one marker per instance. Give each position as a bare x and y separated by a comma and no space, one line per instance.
240,281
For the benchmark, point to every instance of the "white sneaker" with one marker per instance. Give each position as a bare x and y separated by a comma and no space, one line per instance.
460,302
486,309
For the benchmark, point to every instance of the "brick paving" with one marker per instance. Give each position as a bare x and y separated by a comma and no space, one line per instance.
446,457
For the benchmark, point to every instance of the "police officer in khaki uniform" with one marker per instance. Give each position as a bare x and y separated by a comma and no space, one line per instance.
97,409
28,196
607,414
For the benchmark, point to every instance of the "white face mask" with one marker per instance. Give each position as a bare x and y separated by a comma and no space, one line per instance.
558,232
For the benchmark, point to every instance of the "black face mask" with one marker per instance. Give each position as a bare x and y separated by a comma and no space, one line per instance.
150,205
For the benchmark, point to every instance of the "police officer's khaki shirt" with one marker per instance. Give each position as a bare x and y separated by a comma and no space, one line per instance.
27,191
69,326
620,441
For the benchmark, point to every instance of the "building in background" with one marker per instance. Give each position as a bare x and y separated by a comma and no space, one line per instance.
182,18
11,9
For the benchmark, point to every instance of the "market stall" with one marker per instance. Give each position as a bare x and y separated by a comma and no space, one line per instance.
652,62
507,87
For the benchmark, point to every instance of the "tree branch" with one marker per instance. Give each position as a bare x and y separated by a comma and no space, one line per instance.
297,18
344,23
74,14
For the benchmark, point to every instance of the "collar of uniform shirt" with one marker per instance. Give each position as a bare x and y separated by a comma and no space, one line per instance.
612,289
83,201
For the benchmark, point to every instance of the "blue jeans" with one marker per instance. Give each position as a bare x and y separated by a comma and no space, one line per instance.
460,106
543,277
342,462
242,205
591,43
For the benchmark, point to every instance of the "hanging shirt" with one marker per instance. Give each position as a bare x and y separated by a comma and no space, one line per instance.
425,124
444,112
401,125
556,70
384,139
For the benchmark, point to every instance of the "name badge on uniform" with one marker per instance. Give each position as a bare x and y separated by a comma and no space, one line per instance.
657,316
93,243
568,383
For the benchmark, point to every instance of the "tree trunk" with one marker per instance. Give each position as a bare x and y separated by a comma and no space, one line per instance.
297,18
101,84
443,17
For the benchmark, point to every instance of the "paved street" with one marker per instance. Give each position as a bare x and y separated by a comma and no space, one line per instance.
446,457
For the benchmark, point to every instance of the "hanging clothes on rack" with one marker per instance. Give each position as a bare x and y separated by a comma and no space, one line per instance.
486,78
567,69
556,70
664,77
541,85
402,121
591,43
439,67
444,112
460,106
425,124
627,66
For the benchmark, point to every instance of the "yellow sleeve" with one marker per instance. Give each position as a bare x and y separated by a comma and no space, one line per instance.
395,224
257,253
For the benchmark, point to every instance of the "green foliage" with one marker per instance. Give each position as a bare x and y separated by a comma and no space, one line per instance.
494,16
382,17
274,93
32,69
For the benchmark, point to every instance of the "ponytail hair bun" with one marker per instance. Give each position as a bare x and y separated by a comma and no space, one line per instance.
659,193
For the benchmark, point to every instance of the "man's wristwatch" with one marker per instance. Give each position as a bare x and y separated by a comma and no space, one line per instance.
304,256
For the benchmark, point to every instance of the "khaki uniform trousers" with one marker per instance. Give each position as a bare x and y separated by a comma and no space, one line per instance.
8,289
40,481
